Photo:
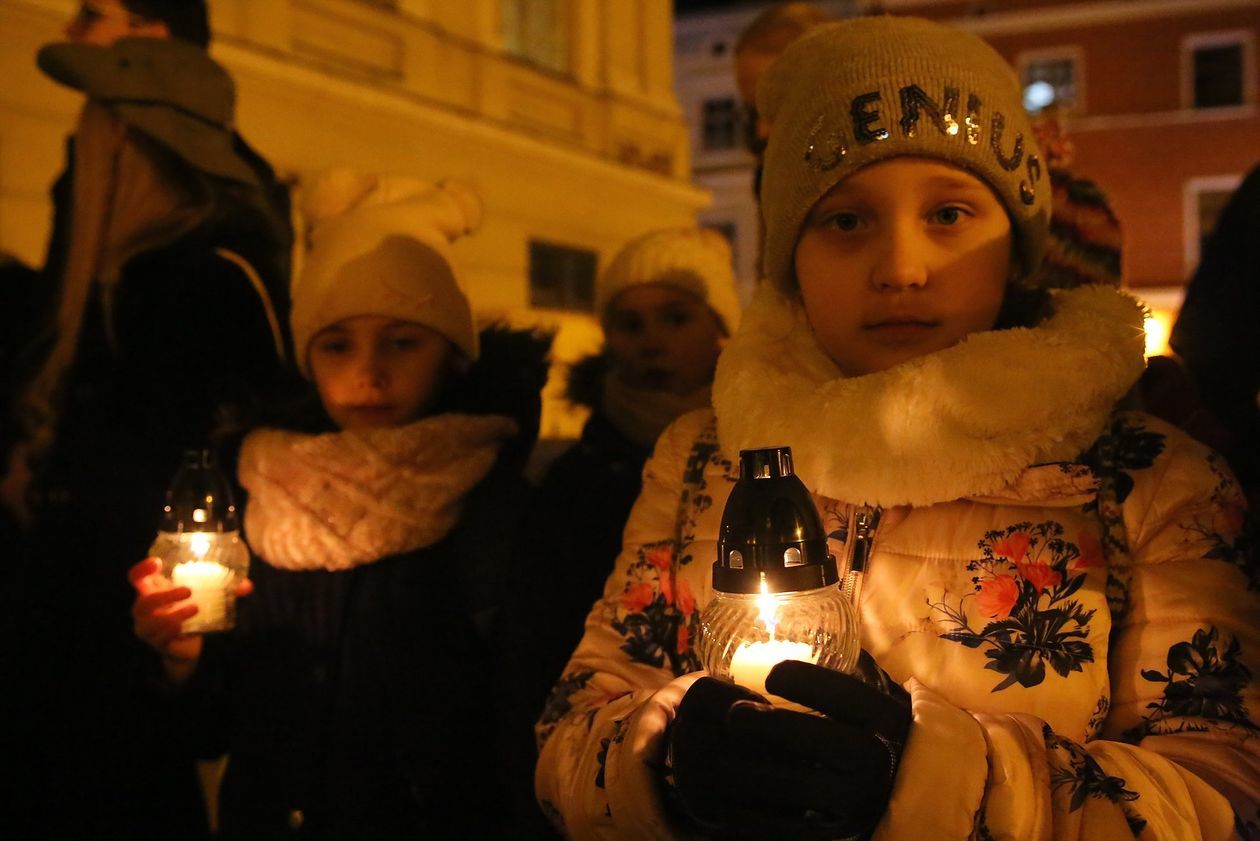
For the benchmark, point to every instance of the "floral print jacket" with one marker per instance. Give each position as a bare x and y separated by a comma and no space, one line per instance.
1080,648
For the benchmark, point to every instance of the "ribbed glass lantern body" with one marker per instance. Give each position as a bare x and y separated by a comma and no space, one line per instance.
743,635
199,543
210,564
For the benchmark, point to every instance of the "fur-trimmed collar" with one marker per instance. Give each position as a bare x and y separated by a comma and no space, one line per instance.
962,422
338,500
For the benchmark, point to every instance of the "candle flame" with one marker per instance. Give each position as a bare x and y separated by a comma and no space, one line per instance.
767,607
199,543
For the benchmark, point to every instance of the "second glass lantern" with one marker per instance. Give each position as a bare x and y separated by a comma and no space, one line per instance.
776,586
199,542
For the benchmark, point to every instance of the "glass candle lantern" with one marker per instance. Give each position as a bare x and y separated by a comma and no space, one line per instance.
199,542
776,587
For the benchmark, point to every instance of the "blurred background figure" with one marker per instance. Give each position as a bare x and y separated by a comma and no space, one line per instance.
757,47
102,22
164,296
667,304
1216,337
761,42
1086,237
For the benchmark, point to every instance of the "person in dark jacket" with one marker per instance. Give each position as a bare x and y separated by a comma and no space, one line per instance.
356,696
666,302
164,300
1215,332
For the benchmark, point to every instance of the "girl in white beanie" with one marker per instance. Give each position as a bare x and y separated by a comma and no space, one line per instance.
667,304
355,697
1060,630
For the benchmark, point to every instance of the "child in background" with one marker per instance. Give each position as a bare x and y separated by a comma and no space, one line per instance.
667,303
1056,585
355,695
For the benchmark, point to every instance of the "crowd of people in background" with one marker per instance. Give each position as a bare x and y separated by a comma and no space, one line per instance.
1060,626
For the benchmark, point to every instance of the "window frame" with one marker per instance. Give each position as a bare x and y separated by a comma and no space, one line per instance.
1192,234
1073,53
566,12
569,301
737,120
1190,44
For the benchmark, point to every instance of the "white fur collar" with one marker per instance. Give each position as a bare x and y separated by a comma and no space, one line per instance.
342,499
962,422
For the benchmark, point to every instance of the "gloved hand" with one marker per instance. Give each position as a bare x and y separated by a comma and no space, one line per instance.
742,768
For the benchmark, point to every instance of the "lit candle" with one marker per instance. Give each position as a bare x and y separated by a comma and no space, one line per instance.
752,661
209,582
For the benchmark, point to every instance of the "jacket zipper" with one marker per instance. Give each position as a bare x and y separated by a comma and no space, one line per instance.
865,524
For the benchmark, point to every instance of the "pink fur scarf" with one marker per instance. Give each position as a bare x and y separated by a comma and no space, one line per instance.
338,500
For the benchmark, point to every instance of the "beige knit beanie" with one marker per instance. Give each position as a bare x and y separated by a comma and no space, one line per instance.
863,90
381,245
696,260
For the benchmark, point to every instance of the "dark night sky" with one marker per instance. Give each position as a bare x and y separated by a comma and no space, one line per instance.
682,7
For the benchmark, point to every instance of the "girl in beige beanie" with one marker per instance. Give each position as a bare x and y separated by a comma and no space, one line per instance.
667,304
357,695
1059,631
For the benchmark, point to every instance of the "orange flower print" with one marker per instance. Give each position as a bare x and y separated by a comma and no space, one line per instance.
1014,547
684,638
637,597
666,583
686,598
997,596
661,557
1041,576
1091,550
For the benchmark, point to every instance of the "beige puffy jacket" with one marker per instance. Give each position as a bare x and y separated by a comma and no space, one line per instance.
1132,716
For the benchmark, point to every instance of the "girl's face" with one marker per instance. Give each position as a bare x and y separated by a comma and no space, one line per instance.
372,371
903,258
662,338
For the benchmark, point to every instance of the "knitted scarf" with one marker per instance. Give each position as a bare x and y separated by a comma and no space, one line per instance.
342,499
642,414
961,422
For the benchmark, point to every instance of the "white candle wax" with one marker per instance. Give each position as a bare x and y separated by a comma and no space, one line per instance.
209,583
753,661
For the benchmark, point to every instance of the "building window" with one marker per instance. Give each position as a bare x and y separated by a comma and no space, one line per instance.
1052,78
1218,69
536,31
720,121
1203,201
561,277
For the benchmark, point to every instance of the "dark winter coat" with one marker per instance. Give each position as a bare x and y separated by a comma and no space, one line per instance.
191,330
373,702
577,517
360,703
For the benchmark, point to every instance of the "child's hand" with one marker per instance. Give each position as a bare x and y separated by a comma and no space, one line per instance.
158,615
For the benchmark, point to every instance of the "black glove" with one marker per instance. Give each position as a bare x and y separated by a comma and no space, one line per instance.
743,768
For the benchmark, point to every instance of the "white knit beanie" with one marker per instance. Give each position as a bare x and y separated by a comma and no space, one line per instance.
696,260
381,245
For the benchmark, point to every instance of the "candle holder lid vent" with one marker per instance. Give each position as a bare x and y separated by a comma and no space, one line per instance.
199,497
771,528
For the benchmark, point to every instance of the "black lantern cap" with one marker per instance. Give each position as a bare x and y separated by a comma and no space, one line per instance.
770,526
199,497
